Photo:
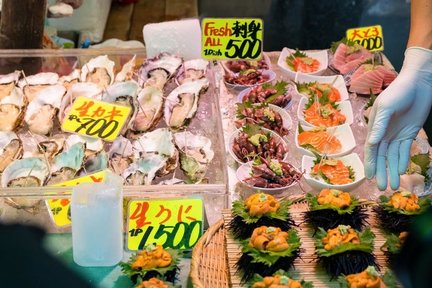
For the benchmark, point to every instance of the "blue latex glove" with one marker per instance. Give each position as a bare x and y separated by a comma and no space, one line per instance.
397,115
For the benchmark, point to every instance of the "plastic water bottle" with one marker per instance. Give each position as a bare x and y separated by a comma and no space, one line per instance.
97,222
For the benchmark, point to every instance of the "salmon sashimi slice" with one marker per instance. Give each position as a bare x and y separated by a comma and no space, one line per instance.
320,89
305,64
333,172
320,140
324,115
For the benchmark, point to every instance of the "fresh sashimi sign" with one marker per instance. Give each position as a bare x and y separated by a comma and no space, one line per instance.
225,38
370,37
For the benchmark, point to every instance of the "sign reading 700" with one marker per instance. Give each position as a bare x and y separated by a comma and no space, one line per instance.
226,38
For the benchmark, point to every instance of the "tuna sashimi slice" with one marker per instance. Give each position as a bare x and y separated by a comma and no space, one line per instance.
344,61
366,79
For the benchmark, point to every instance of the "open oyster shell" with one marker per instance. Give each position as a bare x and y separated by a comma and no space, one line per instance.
95,163
143,171
150,104
10,149
12,107
192,70
99,70
159,142
127,71
69,80
42,110
89,90
182,103
92,145
7,83
66,164
41,146
120,155
158,70
31,85
195,154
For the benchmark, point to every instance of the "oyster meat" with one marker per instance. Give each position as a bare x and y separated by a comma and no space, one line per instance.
12,109
10,149
192,70
195,154
31,85
182,103
42,146
67,164
99,70
158,70
143,171
150,104
120,155
7,83
42,110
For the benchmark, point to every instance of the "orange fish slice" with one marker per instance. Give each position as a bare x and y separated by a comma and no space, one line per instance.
324,115
320,140
334,170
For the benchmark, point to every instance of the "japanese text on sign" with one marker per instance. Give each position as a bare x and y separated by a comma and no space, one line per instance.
96,119
176,223
225,38
60,208
370,37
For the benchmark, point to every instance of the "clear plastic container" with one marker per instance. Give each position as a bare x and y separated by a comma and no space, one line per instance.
97,222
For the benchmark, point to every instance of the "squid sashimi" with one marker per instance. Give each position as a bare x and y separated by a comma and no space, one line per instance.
319,140
369,78
348,57
320,90
326,115
333,172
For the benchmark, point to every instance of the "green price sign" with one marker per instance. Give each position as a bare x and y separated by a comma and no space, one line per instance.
174,223
226,38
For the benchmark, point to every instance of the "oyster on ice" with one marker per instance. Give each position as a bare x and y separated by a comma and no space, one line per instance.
99,70
69,80
42,110
195,154
10,149
42,146
120,155
150,104
93,145
12,106
143,171
158,71
123,93
31,85
182,103
28,172
89,90
192,70
127,72
67,164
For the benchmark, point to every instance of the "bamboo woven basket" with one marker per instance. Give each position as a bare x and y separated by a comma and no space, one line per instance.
209,266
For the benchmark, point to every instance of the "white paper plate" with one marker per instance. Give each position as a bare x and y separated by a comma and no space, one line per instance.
321,56
345,108
337,80
352,160
343,133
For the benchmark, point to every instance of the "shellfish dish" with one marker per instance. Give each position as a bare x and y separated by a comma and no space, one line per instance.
35,151
277,94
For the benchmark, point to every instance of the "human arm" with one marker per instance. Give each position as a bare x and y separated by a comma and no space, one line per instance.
400,111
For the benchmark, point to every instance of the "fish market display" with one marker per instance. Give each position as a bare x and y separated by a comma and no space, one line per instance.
34,151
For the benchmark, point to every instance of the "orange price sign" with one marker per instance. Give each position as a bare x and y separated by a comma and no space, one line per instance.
370,37
59,209
95,118
232,38
173,223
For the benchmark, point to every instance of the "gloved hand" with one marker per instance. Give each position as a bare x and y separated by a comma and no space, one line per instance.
396,117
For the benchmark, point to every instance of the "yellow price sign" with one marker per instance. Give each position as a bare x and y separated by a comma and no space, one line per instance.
370,37
95,118
59,209
232,38
174,223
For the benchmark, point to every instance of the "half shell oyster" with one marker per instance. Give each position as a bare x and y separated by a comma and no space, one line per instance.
158,70
99,70
120,155
12,108
192,70
150,104
182,103
127,71
10,149
31,85
67,164
7,83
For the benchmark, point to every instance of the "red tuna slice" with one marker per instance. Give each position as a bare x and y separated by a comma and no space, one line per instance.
345,62
366,79
389,75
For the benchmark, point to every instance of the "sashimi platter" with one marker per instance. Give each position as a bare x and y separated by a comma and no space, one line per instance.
326,97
